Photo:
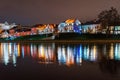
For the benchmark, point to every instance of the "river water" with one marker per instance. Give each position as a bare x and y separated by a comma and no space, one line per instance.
59,61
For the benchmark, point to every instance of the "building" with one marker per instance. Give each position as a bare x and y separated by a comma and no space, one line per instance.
70,25
91,28
116,29
5,27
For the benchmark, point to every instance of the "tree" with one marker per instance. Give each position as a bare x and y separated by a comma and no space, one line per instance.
109,17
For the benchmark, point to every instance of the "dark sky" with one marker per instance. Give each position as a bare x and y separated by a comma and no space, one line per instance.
52,11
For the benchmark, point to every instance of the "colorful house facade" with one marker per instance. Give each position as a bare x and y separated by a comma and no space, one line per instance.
70,25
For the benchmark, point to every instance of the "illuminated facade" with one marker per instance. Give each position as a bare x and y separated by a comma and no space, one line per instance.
5,26
25,30
42,29
111,29
70,25
116,30
91,28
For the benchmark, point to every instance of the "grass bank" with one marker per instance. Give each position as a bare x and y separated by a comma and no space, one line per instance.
68,38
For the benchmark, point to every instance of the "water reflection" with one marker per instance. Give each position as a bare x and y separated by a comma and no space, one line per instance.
63,54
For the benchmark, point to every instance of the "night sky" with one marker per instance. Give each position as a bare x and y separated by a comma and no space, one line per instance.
28,12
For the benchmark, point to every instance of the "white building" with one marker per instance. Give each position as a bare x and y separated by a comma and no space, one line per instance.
70,25
5,26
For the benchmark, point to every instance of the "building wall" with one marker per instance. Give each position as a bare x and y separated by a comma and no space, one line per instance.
91,28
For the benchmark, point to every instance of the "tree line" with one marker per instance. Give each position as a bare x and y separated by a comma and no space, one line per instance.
109,17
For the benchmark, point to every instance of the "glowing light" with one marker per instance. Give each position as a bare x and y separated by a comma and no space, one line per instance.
70,21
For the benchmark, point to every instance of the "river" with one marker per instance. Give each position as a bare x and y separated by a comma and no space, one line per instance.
60,61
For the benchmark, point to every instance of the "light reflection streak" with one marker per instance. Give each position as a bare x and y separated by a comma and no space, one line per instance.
93,54
14,60
31,50
34,51
10,48
15,49
86,52
6,55
23,51
41,52
79,55
111,53
70,57
117,51
1,52
61,55
18,46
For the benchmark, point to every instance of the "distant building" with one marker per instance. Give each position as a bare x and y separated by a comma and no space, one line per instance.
45,28
116,30
5,26
91,28
70,25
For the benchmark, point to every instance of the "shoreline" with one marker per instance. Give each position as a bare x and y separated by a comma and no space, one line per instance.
61,41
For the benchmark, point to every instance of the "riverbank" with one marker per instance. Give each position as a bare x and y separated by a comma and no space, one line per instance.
66,38
61,41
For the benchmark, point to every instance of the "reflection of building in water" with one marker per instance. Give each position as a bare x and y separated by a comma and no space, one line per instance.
86,52
104,49
117,51
61,55
90,52
70,55
25,50
46,53
111,52
8,53
93,53
78,54
33,50
1,53
109,62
